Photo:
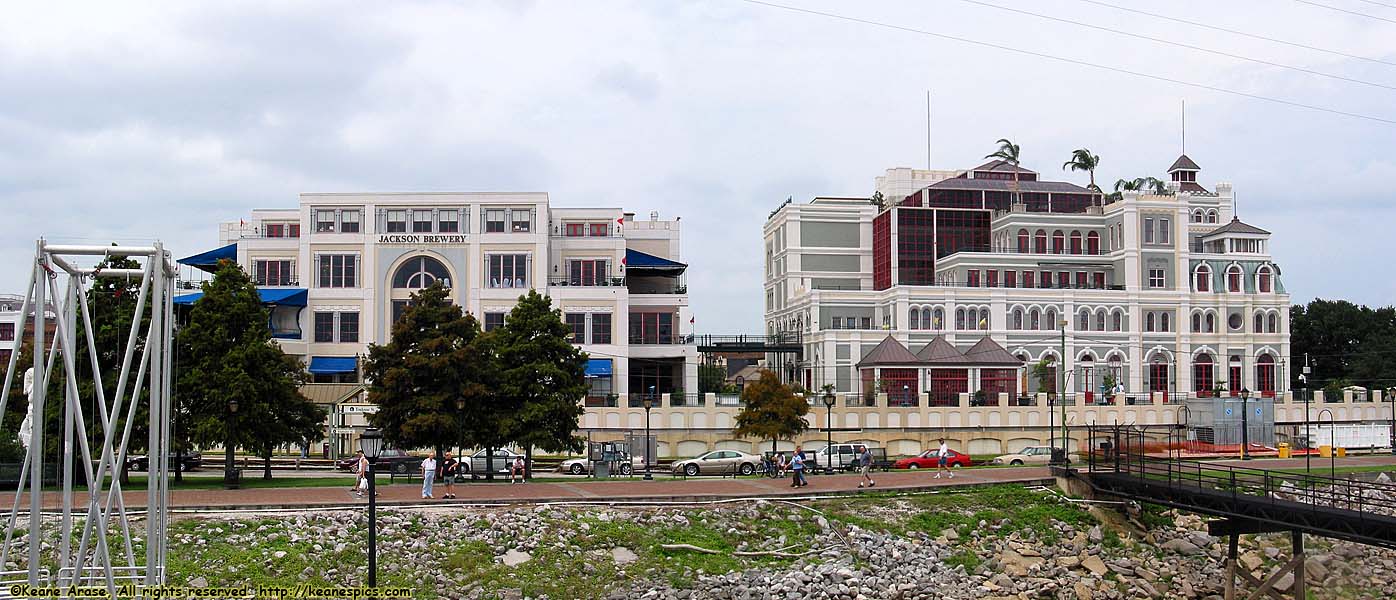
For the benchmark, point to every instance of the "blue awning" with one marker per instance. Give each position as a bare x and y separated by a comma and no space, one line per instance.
635,259
208,261
272,296
328,365
599,367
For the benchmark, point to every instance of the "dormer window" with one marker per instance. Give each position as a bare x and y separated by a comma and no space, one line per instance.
1233,279
1263,280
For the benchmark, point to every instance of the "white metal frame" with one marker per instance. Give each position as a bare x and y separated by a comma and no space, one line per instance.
102,506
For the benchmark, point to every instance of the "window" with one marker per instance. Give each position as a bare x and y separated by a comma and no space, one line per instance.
324,221
338,270
1211,322
1196,216
421,221
494,320
324,327
1158,377
1058,242
1075,242
521,221
1034,320
1023,241
273,272
1040,242
1051,320
508,270
283,230
599,229
1100,320
651,328
1081,280
587,272
1083,320
914,319
938,321
1156,278
348,327
1148,231
494,221
1259,319
1063,279
1149,322
1212,216
1202,375
1117,319
397,221
1045,280
400,307
991,278
575,229
7,332
577,322
960,319
972,278
1017,318
864,322
1163,324
1273,323
601,328
925,318
1027,279
448,221
1098,280
1263,280
835,322
1197,322
1163,230
349,221
1093,243
1203,278
1234,321
1010,279
1233,279
420,272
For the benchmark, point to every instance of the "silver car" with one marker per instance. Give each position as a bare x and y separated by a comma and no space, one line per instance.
579,466
503,461
718,462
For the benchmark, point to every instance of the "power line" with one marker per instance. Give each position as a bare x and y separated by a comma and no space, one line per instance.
1182,45
1344,10
1075,62
1237,32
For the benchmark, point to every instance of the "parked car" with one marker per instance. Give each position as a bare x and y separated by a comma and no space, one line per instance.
842,457
578,466
390,460
930,459
718,462
503,461
1032,455
191,461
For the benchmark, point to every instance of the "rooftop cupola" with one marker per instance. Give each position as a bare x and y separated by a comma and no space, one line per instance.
1183,175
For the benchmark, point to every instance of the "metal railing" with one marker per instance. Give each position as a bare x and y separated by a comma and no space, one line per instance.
682,399
587,281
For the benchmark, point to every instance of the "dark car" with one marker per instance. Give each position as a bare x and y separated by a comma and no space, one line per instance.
188,461
390,460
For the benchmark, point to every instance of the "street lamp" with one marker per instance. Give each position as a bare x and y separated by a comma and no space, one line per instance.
371,442
1245,430
1332,445
829,430
1308,436
460,426
648,404
230,474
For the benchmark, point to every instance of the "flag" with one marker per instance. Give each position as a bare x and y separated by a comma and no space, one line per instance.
690,320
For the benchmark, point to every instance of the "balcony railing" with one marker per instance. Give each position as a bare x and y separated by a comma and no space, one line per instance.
727,400
686,400
1014,249
587,281
601,401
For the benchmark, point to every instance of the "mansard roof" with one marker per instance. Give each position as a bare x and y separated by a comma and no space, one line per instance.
889,352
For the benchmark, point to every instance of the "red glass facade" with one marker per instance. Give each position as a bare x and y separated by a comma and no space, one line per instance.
916,246
882,251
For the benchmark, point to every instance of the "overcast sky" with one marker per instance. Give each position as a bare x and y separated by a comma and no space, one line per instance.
158,120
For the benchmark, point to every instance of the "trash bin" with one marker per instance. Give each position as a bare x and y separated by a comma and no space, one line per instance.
1342,452
325,450
1284,450
1325,451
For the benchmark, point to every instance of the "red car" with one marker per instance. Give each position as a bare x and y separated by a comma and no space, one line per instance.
929,460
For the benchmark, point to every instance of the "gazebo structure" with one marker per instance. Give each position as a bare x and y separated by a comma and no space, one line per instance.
987,372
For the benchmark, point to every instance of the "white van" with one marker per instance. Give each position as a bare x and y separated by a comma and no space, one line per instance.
842,457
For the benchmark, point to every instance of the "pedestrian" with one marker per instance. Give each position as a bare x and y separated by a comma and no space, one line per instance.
361,469
428,475
518,470
780,464
865,467
449,468
797,468
944,455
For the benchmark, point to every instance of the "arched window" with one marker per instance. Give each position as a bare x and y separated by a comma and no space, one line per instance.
1197,216
1265,375
938,321
1051,319
1017,318
1100,319
1212,216
420,272
1202,375
1263,280
1259,322
1083,320
914,319
1023,241
1093,243
1149,322
1058,242
925,317
1203,278
1075,242
1163,324
1034,320
1117,321
1039,242
960,318
983,322
1211,322
1197,322
1233,279
1273,323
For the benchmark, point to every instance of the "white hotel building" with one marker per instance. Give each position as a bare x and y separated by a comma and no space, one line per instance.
337,269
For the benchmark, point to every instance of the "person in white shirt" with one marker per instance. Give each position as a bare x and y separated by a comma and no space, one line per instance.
944,455
428,475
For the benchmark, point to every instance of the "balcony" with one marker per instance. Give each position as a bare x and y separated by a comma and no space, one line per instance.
657,284
686,400
587,281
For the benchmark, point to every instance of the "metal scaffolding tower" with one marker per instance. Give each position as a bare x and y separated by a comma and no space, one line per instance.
84,557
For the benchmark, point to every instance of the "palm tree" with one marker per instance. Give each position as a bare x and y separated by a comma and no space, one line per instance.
1138,184
1083,160
1156,185
1008,152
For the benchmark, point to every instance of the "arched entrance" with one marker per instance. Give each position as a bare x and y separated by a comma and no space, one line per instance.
411,276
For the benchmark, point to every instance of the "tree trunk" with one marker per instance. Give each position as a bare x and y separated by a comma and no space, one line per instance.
266,463
528,463
489,463
179,466
227,461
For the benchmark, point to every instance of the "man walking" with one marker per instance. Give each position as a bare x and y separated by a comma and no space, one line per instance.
797,468
865,467
449,468
428,475
944,455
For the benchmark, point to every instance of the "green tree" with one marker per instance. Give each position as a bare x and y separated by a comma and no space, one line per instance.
545,374
1083,160
1008,152
1342,340
1046,374
227,354
436,357
711,378
771,411
878,201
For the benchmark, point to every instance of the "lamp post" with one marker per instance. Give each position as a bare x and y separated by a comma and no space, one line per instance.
230,474
1308,436
829,430
1245,429
648,404
1061,389
1332,446
1391,397
460,427
371,442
